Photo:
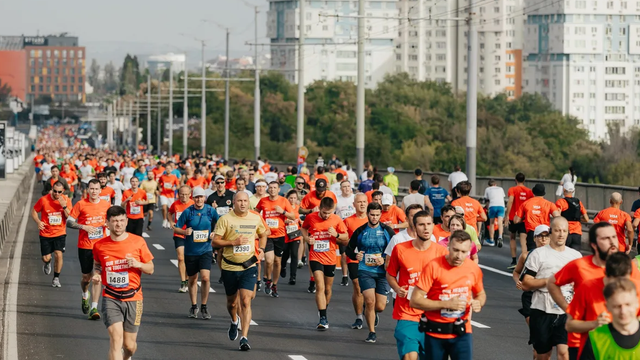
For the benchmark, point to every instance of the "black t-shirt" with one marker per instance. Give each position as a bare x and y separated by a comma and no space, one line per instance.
635,206
225,200
110,168
624,341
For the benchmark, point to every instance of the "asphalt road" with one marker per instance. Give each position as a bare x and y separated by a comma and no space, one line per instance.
50,323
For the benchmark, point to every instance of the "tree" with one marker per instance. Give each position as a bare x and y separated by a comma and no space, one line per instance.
129,76
110,78
94,75
5,91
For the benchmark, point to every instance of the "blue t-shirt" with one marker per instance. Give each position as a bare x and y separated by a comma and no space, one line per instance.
365,186
424,187
202,222
373,241
141,176
177,173
437,195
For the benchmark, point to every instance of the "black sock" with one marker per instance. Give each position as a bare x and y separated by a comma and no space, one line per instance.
194,306
513,260
55,274
323,313
203,306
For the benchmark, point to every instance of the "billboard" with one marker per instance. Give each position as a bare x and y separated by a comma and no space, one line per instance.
35,41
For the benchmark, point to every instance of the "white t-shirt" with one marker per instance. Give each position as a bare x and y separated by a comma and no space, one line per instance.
546,261
345,207
399,238
568,178
118,188
456,177
363,176
352,177
86,173
335,189
46,171
386,190
127,172
496,196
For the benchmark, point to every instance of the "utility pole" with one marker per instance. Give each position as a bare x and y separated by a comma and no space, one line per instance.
300,125
159,128
472,97
136,141
109,126
203,111
129,127
171,109
148,112
256,96
226,102
185,111
360,92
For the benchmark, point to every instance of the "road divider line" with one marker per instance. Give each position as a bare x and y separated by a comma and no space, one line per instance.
145,235
210,289
158,246
175,263
297,357
253,323
478,325
488,268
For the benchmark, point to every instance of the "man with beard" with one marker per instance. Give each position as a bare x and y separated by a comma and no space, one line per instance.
604,242
405,264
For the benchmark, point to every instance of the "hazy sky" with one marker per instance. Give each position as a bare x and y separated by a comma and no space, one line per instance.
103,25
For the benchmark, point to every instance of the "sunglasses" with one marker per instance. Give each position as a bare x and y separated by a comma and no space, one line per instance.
57,192
299,183
252,173
220,182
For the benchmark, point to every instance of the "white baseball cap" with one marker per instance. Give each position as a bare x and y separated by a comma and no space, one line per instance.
569,187
541,229
198,191
387,199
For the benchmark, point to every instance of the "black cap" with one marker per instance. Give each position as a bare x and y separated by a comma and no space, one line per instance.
538,190
321,184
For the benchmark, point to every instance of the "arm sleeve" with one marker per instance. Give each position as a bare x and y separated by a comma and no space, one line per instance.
425,280
75,212
221,227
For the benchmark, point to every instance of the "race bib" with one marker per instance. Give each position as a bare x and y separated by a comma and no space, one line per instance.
410,292
347,212
55,220
150,196
321,246
222,210
106,198
96,234
448,313
370,259
241,249
135,209
567,293
168,186
273,223
118,279
200,235
291,228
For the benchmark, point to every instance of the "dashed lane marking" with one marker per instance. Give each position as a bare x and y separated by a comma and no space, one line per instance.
158,246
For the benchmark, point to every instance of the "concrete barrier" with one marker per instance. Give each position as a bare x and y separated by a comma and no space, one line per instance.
15,190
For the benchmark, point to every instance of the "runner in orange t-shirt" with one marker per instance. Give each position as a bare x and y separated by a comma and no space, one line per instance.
292,248
106,193
572,209
168,184
176,209
452,284
158,171
405,265
442,231
70,176
322,230
133,201
50,214
120,260
620,220
275,210
473,211
517,195
392,215
197,180
535,211
311,201
352,223
89,216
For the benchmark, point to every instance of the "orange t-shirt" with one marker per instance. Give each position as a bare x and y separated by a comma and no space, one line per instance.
575,227
167,184
369,196
520,194
536,211
322,176
196,182
134,211
344,173
324,249
70,177
52,214
618,219
394,215
36,160
440,233
274,220
311,200
92,214
157,172
177,208
406,263
472,210
107,193
230,184
442,281
116,273
352,223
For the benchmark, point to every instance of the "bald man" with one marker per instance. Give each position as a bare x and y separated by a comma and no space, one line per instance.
620,220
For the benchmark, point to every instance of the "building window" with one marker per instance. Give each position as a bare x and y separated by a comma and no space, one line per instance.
64,79
497,70
497,46
398,56
80,54
80,86
57,88
497,82
64,88
33,88
72,88
413,57
40,88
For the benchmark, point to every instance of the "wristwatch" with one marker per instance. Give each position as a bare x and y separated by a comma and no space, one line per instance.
64,208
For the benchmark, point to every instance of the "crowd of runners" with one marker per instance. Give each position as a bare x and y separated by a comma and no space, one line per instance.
419,253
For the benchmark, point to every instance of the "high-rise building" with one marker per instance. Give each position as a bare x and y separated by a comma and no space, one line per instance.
434,47
54,66
330,51
159,63
584,56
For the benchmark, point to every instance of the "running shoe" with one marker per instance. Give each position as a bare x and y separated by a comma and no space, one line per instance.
267,287
46,268
233,330
499,242
292,280
56,282
300,264
323,324
357,325
512,266
86,305
377,320
345,281
94,314
148,227
244,344
274,291
258,286
283,272
371,338
193,312
304,260
220,281
183,287
490,242
312,287
205,313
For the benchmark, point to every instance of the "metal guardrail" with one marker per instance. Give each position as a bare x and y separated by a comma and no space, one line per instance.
17,201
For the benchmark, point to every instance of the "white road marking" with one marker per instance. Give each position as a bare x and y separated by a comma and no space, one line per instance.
488,268
478,325
297,357
254,323
158,246
145,235
175,263
10,335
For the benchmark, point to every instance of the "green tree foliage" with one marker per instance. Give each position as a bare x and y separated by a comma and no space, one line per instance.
5,91
130,77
